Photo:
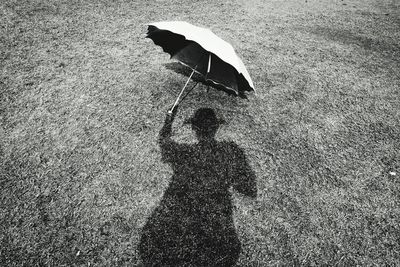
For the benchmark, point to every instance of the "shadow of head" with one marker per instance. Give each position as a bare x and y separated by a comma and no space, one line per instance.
205,124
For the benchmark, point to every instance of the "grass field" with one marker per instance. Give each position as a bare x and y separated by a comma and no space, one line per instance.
83,96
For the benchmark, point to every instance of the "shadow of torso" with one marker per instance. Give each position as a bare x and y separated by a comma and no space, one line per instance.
193,224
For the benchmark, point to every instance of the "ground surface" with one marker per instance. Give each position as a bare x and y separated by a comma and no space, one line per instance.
83,95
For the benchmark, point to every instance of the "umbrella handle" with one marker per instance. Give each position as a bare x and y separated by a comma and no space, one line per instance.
180,94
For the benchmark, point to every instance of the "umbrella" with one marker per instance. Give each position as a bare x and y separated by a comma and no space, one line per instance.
204,52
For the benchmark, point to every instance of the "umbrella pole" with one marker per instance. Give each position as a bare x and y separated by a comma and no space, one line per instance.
187,93
180,94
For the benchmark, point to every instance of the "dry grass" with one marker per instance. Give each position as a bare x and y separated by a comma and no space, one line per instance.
83,96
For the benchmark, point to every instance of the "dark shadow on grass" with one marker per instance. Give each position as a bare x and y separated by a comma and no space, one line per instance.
352,38
193,224
186,71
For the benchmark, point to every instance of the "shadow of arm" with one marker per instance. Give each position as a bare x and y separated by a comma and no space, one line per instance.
167,145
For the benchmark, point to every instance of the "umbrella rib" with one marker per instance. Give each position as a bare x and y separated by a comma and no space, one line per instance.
209,65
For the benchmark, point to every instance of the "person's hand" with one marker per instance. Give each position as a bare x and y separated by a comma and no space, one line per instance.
172,112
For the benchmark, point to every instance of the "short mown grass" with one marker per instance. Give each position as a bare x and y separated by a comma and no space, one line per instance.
83,96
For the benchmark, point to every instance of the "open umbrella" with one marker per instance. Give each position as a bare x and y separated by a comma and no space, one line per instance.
204,52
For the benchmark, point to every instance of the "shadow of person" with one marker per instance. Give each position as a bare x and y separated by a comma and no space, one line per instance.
193,224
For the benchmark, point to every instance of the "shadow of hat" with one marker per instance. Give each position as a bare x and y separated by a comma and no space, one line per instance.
205,119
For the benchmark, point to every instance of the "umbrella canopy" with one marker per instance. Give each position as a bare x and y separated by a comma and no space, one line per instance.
204,52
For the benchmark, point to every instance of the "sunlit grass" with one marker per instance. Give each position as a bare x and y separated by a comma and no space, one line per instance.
83,95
